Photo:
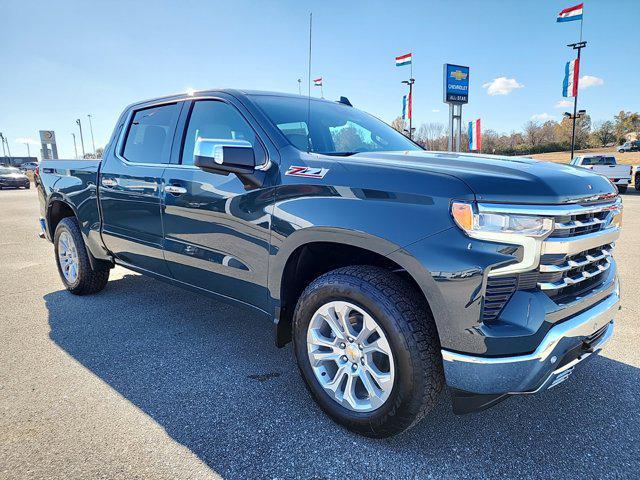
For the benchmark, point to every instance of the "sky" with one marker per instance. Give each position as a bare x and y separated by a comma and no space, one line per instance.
63,60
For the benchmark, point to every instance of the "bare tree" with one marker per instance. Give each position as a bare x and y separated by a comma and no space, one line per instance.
400,125
430,135
532,132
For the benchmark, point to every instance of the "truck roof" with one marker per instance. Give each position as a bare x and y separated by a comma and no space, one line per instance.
230,91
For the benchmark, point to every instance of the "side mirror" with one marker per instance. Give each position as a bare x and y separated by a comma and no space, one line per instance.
224,155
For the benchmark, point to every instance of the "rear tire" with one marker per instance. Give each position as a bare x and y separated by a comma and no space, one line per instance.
622,188
73,260
28,186
403,317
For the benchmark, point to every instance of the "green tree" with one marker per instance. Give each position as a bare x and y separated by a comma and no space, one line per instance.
604,133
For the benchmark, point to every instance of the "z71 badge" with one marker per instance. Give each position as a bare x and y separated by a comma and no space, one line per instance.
308,172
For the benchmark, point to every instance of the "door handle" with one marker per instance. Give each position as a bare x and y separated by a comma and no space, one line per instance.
175,189
109,182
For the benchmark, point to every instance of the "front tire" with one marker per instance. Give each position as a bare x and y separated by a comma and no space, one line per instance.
73,260
376,366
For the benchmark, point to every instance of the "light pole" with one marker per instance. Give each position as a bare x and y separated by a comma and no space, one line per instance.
4,151
410,82
574,117
28,149
91,130
75,148
5,143
576,46
81,138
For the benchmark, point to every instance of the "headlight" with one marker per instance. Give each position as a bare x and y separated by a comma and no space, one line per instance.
482,223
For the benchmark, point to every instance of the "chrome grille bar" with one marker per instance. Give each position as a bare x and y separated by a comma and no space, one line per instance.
578,223
570,264
580,277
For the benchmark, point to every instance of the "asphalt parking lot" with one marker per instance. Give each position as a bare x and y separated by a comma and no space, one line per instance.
145,380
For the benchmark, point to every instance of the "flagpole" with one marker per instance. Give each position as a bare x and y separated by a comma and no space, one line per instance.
581,20
309,89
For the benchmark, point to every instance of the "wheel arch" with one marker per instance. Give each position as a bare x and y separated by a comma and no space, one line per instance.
311,252
59,207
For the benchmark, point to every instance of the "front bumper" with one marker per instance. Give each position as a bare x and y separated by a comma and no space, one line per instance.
565,345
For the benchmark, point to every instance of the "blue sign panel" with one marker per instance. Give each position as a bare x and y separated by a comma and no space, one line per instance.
456,84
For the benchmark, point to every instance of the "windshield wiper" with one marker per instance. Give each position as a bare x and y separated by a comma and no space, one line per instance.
338,154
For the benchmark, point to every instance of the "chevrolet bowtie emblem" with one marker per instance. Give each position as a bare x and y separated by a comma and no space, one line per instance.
459,75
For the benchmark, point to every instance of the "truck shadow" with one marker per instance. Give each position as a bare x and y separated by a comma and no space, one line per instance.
210,375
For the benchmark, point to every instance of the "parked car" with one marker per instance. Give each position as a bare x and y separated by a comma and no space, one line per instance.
29,166
393,270
606,165
11,177
629,147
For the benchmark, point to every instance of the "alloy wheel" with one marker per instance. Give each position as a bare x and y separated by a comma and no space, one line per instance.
350,356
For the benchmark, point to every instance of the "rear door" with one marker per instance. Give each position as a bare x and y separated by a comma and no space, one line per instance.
217,228
131,187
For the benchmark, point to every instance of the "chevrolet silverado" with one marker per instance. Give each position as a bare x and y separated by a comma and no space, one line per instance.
393,270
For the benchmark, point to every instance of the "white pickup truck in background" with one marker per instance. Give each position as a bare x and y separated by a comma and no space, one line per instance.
606,165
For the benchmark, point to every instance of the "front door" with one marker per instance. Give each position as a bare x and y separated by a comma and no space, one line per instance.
131,188
217,228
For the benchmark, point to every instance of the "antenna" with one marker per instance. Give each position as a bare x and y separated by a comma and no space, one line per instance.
309,89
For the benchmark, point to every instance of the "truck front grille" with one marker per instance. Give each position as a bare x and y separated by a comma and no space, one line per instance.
580,224
583,270
574,259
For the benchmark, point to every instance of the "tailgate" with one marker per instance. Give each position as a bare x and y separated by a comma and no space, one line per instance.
613,171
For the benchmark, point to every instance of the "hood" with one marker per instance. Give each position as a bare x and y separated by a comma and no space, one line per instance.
500,179
13,176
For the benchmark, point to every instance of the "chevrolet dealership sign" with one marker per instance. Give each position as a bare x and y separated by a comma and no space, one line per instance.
456,84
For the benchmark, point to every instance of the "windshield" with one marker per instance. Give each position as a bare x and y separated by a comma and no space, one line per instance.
6,170
332,128
599,161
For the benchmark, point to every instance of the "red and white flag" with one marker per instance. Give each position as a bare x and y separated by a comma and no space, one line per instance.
475,136
571,75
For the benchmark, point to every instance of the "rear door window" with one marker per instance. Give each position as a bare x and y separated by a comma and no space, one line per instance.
150,134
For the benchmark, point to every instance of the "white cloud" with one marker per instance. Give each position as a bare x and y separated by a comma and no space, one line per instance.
588,81
502,86
542,117
28,140
563,104
436,110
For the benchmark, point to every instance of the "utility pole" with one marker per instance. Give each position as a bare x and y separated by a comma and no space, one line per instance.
81,138
92,140
75,148
576,46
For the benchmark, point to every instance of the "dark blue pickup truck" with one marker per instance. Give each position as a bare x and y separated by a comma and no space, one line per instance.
393,270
